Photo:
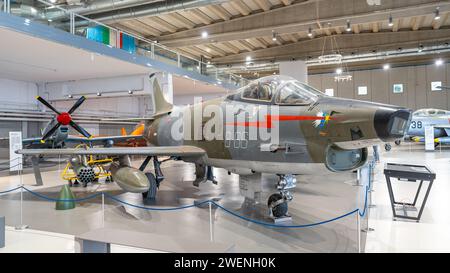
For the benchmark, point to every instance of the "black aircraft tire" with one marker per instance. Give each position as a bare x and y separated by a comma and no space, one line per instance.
397,142
387,147
280,209
151,193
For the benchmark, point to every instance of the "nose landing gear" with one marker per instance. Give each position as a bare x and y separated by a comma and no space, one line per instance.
278,202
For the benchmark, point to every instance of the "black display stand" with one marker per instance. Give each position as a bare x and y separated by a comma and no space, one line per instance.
408,173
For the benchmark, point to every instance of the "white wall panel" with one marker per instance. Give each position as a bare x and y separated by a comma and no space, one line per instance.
416,82
18,95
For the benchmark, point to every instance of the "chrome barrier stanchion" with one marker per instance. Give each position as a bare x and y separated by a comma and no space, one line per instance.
358,231
211,236
103,209
19,172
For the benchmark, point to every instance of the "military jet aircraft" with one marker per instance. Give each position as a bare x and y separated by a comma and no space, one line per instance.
429,117
56,132
307,129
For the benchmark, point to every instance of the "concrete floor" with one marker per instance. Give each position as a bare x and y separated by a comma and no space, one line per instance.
316,198
431,234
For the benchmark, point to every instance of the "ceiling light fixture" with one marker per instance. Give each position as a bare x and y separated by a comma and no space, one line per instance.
248,58
439,62
339,71
204,34
310,34
99,94
349,28
420,48
386,66
274,36
391,21
437,16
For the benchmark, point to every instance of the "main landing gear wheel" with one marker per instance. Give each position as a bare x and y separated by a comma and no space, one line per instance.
278,205
151,193
387,147
397,142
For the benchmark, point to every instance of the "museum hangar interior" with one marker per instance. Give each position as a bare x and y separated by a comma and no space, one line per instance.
248,125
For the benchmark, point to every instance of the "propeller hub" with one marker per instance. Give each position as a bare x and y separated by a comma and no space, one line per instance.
64,118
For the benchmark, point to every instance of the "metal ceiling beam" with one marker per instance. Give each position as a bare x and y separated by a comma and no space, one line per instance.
358,43
152,9
181,20
265,5
241,7
287,2
199,15
300,16
231,47
219,11
161,24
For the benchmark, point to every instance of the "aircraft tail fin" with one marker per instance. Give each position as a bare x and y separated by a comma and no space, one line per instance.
160,105
139,130
123,132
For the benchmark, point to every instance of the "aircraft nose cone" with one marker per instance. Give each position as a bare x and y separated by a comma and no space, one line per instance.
64,118
391,123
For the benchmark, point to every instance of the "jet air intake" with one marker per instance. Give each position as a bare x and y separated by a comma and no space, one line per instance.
391,124
339,160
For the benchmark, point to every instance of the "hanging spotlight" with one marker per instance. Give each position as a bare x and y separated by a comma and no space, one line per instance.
204,34
339,71
310,34
99,94
391,21
274,36
437,16
439,62
420,48
386,66
130,92
349,28
70,96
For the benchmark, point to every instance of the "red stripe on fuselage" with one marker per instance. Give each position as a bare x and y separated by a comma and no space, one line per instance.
267,123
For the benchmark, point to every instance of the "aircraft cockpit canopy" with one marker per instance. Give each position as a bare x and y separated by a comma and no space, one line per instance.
430,112
281,90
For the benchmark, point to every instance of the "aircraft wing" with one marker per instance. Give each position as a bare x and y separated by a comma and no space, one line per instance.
188,151
31,140
101,140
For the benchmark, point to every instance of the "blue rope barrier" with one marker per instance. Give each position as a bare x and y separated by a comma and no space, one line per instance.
368,186
285,226
362,214
11,190
10,167
62,200
156,209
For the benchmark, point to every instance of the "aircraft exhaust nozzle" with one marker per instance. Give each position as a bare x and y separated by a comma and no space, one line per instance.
391,123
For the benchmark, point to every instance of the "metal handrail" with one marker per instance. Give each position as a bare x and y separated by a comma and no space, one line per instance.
219,74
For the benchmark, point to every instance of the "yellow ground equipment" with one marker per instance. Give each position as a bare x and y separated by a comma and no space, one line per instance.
86,169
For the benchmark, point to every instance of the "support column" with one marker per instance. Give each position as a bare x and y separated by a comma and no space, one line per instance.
296,69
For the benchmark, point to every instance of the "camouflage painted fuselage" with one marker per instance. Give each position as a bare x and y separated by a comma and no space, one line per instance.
329,132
